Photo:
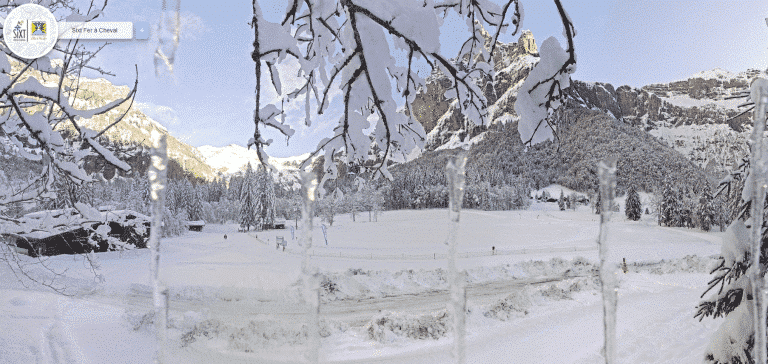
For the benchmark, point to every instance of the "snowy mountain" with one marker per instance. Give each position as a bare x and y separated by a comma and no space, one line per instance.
136,127
512,63
694,116
233,158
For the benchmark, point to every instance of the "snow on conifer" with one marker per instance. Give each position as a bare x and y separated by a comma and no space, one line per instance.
633,208
265,194
737,287
247,215
706,210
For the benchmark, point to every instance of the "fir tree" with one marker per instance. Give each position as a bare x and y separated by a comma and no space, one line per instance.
706,210
731,296
247,216
561,201
195,207
185,197
265,207
633,208
669,213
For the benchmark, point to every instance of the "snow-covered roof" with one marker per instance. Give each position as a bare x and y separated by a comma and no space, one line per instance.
43,224
195,223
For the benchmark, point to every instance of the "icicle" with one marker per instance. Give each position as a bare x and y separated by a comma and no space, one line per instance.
454,171
308,271
168,33
158,180
608,279
757,175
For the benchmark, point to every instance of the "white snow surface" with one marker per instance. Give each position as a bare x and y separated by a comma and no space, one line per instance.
235,300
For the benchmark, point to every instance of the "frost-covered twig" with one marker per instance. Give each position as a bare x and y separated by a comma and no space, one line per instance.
158,179
608,280
759,96
309,275
454,171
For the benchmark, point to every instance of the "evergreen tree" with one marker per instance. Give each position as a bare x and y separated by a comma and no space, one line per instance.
561,201
265,206
633,208
706,210
195,207
669,213
247,216
731,295
186,196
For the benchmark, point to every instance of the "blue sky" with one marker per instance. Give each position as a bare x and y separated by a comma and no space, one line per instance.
209,98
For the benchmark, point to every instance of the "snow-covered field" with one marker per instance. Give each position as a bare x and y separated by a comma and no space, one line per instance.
384,294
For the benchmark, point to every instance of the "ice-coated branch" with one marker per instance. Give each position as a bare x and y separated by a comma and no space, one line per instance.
158,180
309,275
454,172
759,95
608,280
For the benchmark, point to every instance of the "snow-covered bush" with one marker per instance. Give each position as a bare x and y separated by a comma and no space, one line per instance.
389,326
516,304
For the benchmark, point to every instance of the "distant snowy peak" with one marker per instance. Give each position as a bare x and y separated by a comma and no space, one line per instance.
715,73
233,158
709,87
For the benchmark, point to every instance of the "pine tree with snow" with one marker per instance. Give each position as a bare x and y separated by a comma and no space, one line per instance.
195,207
247,215
669,214
185,197
737,287
265,192
633,207
706,210
561,201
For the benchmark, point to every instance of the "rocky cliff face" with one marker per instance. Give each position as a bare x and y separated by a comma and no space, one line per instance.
512,63
694,116
699,100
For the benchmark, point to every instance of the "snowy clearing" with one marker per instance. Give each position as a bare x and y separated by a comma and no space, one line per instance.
383,300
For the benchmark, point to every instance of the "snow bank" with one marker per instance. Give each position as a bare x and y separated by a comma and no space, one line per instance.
515,305
391,326
255,335
360,284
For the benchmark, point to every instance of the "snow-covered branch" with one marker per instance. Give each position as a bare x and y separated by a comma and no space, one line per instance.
542,92
346,45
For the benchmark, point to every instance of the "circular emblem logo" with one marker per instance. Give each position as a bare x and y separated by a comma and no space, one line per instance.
30,31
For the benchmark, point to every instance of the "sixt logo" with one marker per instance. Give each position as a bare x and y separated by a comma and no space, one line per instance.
20,32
